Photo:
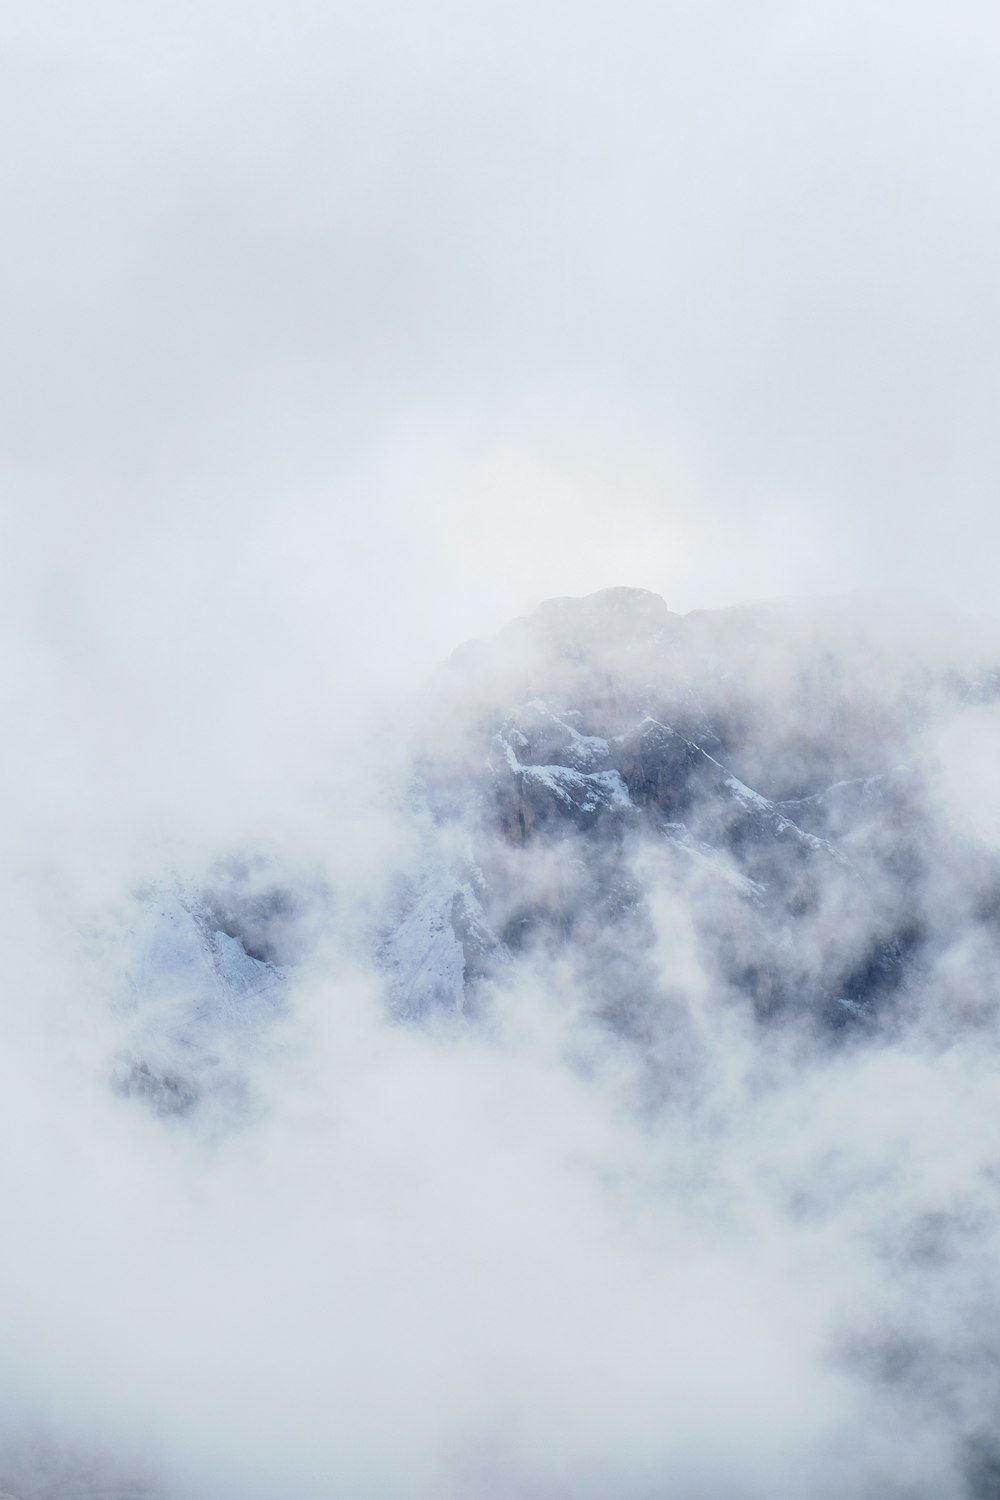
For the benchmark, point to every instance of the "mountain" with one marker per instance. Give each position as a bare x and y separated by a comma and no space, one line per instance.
756,765
757,769
613,1116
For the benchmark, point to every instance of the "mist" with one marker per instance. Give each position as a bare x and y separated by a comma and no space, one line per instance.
516,1249
335,339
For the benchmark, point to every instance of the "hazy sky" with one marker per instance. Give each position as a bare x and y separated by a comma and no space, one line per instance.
381,323
334,335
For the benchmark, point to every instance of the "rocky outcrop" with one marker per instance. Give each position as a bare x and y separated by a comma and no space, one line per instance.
596,764
611,738
191,1000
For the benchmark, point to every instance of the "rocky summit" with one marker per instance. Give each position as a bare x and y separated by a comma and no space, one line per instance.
639,1037
758,768
600,769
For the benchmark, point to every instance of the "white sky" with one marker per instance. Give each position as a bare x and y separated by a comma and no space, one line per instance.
336,334
350,331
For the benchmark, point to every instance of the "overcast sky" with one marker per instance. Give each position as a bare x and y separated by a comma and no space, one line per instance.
338,334
334,335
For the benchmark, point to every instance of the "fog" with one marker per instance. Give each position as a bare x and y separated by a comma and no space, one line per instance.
334,338
513,1252
698,297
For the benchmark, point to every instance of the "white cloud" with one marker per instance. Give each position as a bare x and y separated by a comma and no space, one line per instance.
339,335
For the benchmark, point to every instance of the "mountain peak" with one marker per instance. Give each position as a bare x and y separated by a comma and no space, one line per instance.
622,603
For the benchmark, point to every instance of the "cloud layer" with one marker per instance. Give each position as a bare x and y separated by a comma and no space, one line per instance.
482,1256
335,338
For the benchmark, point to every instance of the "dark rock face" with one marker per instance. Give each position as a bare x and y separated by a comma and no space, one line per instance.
660,820
268,916
603,771
660,768
167,1093
597,779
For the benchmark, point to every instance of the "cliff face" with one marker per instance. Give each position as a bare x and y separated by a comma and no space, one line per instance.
595,758
754,773
671,1008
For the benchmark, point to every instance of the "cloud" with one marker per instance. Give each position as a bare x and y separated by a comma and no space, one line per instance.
486,1256
338,339
256,260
